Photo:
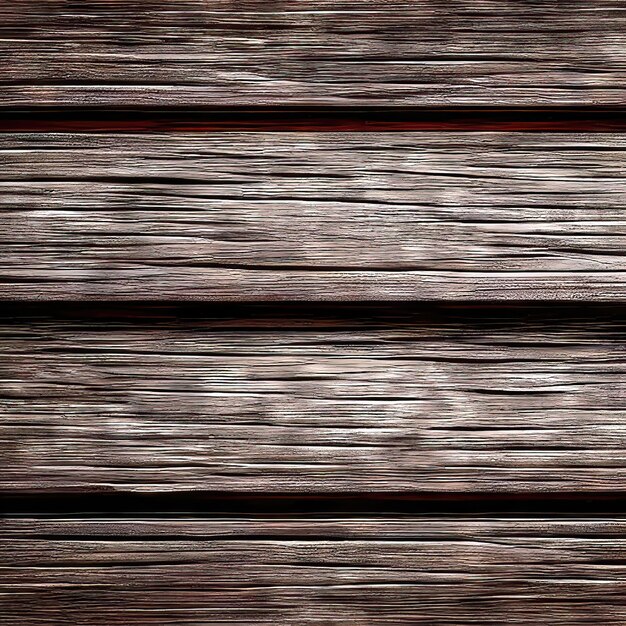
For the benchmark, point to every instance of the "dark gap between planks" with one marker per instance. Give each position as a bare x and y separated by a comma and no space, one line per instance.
307,119
294,311
211,504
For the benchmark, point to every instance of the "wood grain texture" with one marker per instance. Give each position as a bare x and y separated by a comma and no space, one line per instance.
293,216
368,572
482,404
222,53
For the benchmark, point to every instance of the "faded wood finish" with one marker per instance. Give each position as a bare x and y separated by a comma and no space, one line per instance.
409,403
293,216
277,463
223,53
368,572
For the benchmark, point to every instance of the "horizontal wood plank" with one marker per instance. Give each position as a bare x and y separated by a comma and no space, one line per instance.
415,404
367,572
190,52
329,216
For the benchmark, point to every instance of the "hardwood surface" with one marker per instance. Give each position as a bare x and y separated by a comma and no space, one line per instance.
323,52
360,418
313,216
367,572
375,402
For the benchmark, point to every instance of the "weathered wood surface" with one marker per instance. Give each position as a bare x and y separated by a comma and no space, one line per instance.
224,53
405,404
368,572
290,216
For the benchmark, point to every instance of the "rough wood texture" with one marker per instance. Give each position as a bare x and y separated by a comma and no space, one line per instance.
345,465
224,53
445,572
487,403
290,216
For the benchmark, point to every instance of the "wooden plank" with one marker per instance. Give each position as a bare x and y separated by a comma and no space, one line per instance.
293,216
368,572
188,52
480,403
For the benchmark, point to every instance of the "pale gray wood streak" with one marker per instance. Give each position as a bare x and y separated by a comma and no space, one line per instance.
167,404
373,572
223,53
346,216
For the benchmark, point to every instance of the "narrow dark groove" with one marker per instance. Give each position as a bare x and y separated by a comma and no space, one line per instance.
124,537
211,504
307,119
488,313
